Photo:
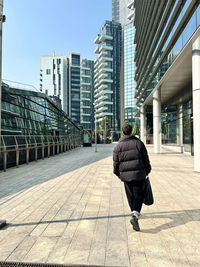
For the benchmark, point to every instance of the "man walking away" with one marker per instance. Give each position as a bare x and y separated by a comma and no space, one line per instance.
131,165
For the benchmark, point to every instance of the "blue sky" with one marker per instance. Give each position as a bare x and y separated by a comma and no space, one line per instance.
39,27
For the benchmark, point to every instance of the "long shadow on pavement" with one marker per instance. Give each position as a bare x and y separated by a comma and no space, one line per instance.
178,218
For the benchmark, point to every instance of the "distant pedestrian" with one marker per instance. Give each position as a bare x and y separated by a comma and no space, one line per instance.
131,165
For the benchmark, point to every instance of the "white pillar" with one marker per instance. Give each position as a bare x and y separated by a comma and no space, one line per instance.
196,102
143,124
95,131
1,28
157,121
180,125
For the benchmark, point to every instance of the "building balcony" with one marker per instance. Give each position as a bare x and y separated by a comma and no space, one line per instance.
96,41
103,59
103,64
84,83
85,99
106,70
105,80
85,68
105,103
96,62
102,109
88,107
103,75
106,92
103,53
96,87
85,91
103,114
104,37
85,75
96,82
105,48
86,114
108,102
131,4
97,95
97,51
96,102
103,86
96,75
131,15
103,97
97,106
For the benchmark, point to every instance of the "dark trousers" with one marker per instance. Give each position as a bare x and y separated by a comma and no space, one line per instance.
134,193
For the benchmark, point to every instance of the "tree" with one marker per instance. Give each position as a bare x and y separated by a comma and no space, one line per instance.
106,126
164,127
136,130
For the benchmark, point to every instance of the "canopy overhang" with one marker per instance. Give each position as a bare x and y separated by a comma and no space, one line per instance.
176,84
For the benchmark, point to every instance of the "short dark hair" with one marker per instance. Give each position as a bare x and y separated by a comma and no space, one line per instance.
127,129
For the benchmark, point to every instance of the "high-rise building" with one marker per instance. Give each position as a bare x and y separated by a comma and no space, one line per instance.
167,60
87,94
120,11
70,84
53,80
129,73
72,104
107,75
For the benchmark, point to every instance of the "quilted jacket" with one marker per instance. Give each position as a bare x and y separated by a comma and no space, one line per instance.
130,159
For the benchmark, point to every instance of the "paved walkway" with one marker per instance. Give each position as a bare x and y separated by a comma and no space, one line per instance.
71,209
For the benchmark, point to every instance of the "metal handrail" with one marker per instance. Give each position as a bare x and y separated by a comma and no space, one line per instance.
62,143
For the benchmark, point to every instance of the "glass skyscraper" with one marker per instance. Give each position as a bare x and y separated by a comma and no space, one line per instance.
121,14
107,75
129,74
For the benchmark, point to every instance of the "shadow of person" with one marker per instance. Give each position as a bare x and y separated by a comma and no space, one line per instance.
174,219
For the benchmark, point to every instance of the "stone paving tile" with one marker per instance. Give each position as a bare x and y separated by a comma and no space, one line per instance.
72,209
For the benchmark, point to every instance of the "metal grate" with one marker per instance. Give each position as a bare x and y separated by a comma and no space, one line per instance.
27,264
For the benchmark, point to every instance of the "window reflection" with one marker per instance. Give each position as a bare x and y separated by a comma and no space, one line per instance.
24,114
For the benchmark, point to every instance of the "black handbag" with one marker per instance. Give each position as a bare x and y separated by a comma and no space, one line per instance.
148,194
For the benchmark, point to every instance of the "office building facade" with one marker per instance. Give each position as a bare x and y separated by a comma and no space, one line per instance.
129,73
72,104
53,80
87,94
107,75
120,11
167,72
122,14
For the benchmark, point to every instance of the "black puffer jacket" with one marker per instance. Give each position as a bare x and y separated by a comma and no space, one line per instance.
130,159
